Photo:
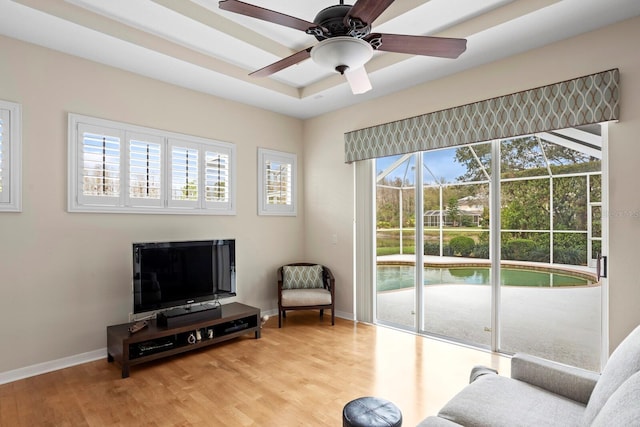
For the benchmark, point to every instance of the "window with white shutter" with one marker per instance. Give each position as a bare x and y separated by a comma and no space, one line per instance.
185,178
10,157
99,154
117,167
4,156
145,173
218,185
276,182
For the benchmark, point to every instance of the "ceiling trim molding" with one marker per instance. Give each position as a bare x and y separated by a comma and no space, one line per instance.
126,33
224,25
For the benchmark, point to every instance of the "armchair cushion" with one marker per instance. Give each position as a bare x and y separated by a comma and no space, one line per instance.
305,297
302,277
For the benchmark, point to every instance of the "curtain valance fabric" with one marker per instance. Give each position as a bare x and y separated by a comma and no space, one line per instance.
584,100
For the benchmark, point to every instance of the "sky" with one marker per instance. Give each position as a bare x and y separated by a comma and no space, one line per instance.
440,162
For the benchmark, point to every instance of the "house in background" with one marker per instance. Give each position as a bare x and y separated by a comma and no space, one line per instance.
65,276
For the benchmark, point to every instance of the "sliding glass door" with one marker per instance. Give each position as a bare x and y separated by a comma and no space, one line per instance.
549,302
396,241
492,244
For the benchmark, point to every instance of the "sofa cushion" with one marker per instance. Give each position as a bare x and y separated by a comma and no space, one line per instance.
305,297
436,422
493,400
302,277
621,409
622,364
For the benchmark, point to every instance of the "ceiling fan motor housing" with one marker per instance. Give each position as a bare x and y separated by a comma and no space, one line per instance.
332,18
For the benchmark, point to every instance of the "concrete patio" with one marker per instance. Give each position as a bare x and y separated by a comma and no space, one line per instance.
561,323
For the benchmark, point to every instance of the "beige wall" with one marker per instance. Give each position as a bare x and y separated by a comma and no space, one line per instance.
64,276
329,182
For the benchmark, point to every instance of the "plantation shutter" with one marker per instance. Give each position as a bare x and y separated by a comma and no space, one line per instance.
217,180
99,163
276,182
581,101
5,184
185,174
145,184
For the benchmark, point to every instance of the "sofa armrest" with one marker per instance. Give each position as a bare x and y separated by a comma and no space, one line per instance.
568,381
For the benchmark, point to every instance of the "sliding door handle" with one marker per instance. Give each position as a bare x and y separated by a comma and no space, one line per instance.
601,267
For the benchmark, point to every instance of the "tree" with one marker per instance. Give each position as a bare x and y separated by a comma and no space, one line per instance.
521,157
570,203
453,211
190,191
388,202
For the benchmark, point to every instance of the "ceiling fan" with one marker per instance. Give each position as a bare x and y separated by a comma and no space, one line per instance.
346,40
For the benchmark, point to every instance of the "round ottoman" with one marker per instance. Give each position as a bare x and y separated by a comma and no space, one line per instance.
371,412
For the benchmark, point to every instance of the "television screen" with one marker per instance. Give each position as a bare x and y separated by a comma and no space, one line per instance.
171,274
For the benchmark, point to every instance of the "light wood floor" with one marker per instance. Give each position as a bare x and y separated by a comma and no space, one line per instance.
300,375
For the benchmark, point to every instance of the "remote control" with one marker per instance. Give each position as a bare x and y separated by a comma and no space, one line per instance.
138,326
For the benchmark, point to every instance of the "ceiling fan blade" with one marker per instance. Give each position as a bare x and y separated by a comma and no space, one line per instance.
442,47
368,10
358,80
265,14
283,63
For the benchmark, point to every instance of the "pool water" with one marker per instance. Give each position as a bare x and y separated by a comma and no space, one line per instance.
391,277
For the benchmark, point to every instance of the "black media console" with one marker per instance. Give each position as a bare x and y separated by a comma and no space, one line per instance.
188,333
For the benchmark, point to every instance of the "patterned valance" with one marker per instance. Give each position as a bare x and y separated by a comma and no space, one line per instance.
576,102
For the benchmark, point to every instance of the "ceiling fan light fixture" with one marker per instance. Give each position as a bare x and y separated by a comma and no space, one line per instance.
337,53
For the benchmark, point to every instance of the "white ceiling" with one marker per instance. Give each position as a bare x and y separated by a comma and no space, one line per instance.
194,44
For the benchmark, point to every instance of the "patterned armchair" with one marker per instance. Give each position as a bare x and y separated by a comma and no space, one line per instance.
305,286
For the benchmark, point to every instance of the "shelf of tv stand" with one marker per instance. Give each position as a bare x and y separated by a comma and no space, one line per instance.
124,348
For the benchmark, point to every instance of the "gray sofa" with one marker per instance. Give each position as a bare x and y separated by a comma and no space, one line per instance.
544,393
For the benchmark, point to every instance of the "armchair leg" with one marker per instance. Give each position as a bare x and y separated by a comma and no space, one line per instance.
321,312
280,318
333,317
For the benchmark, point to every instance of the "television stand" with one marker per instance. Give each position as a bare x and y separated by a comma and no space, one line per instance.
156,342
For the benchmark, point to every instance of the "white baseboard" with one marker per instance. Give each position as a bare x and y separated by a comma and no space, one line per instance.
78,359
52,365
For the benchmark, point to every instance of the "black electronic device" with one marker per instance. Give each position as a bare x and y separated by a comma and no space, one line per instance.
183,316
150,347
174,274
236,326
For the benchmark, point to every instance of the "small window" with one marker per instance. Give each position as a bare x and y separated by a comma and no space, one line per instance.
117,167
10,157
276,183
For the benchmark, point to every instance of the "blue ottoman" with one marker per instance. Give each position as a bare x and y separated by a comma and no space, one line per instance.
371,412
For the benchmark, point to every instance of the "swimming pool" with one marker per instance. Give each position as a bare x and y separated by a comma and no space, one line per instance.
392,277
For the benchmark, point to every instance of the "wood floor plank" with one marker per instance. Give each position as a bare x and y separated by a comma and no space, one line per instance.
300,375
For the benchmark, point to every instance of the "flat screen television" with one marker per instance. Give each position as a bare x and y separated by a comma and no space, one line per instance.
173,274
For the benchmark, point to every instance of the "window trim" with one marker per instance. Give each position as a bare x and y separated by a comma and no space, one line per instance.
11,201
124,203
264,208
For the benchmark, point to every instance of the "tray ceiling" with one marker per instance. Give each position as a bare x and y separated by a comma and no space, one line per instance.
196,45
